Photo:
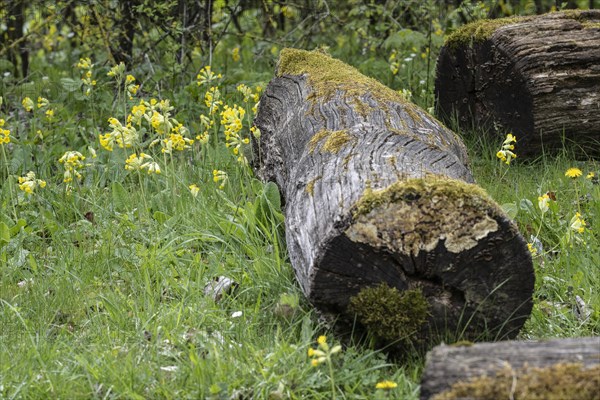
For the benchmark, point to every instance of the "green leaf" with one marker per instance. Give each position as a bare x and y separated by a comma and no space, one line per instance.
4,234
510,209
160,217
119,196
70,85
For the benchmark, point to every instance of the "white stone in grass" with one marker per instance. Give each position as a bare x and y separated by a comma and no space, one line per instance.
236,314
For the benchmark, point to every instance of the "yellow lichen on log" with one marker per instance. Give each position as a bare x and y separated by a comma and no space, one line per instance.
415,215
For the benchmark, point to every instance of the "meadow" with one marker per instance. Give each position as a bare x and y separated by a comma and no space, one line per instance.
140,257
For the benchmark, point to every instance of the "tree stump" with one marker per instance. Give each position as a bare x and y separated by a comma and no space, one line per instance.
379,197
554,369
537,77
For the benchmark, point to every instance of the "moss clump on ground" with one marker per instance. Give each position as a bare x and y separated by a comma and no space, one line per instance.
479,31
557,382
326,76
390,314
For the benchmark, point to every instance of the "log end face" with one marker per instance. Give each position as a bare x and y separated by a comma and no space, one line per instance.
440,237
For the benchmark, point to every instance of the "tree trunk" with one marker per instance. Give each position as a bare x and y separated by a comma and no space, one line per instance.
538,77
378,191
554,369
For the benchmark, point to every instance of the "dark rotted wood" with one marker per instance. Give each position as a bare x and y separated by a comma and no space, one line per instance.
538,77
447,365
376,190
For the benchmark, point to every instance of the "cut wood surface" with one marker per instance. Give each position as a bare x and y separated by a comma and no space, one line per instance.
537,77
449,365
378,191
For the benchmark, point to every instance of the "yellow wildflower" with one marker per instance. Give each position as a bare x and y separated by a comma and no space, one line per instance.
27,104
532,249
29,183
386,385
117,70
207,76
194,189
220,176
573,173
543,202
577,223
590,175
42,102
235,54
506,154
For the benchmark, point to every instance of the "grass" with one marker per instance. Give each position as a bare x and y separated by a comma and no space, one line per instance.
103,279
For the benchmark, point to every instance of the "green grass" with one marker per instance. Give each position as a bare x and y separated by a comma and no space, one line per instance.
102,279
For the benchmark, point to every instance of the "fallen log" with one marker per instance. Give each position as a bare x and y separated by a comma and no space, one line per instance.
537,77
553,369
384,225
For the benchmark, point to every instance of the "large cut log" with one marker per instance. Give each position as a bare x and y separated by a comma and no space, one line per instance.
383,222
538,77
553,369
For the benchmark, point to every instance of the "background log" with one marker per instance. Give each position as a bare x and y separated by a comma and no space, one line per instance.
538,77
448,365
378,191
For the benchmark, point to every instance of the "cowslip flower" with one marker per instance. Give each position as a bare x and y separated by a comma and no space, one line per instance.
577,223
323,352
573,173
543,202
42,102
506,154
220,176
4,133
194,189
29,183
235,54
27,104
207,76
117,71
73,162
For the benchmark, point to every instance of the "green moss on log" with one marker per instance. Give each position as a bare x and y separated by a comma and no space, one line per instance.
310,186
480,30
390,314
414,215
326,76
557,382
334,140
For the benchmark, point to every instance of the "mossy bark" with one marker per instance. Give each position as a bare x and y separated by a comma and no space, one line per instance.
537,77
554,369
378,191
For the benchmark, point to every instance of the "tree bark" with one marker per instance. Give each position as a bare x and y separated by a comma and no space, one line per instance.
378,191
449,365
537,77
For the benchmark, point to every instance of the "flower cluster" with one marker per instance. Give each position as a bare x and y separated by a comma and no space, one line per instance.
206,76
506,153
28,104
4,133
29,183
124,136
143,162
131,87
220,176
212,99
86,66
323,352
72,162
231,119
